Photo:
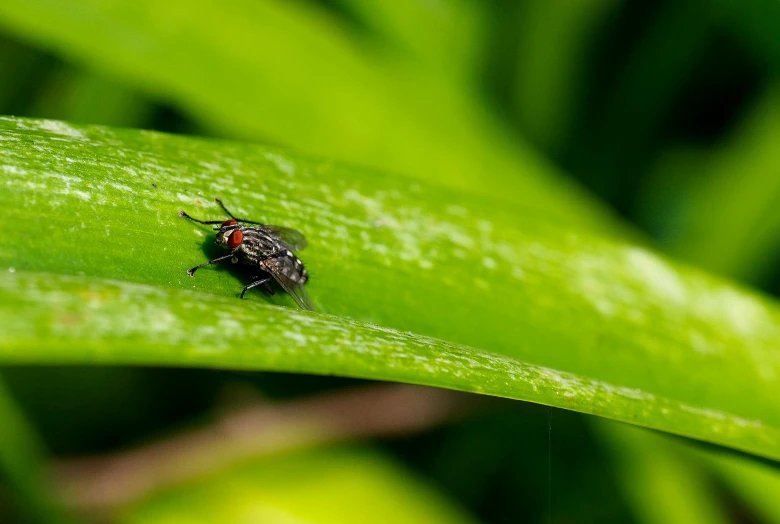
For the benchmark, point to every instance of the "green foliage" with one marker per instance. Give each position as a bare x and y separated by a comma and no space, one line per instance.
739,181
369,106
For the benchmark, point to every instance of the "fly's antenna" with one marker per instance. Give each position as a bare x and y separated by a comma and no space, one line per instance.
188,217
234,217
228,213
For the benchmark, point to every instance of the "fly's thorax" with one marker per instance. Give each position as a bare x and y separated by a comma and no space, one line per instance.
258,244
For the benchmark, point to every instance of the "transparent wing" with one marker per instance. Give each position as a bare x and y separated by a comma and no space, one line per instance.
284,271
291,239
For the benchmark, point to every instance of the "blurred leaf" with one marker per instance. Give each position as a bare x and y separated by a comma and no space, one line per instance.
551,62
668,190
661,486
21,462
90,99
287,72
23,69
622,126
758,485
338,486
732,222
447,35
753,21
61,403
617,328
501,459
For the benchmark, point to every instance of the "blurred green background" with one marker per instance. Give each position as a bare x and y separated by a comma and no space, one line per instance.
667,111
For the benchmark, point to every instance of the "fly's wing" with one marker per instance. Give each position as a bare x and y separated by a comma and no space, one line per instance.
289,275
291,239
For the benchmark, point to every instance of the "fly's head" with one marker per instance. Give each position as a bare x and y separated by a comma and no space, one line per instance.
230,235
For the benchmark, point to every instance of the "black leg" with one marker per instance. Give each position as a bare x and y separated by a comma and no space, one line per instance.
266,278
233,217
191,272
256,283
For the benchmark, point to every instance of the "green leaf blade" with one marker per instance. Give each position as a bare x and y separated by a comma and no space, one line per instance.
412,257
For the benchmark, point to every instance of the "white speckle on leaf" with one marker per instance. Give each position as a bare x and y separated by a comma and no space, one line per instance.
744,313
656,275
459,238
282,164
163,321
457,211
12,170
489,263
485,226
702,345
60,128
299,338
121,187
517,273
211,167
416,236
81,194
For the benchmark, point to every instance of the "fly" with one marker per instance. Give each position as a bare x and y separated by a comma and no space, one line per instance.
266,249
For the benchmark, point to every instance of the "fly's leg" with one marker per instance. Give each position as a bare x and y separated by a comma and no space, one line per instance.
191,271
262,281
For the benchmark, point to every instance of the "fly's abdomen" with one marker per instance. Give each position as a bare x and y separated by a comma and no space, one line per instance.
288,267
294,270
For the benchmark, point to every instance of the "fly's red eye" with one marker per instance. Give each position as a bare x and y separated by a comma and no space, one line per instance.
230,222
235,238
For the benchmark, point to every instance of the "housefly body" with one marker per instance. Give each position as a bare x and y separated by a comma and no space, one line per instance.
269,250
